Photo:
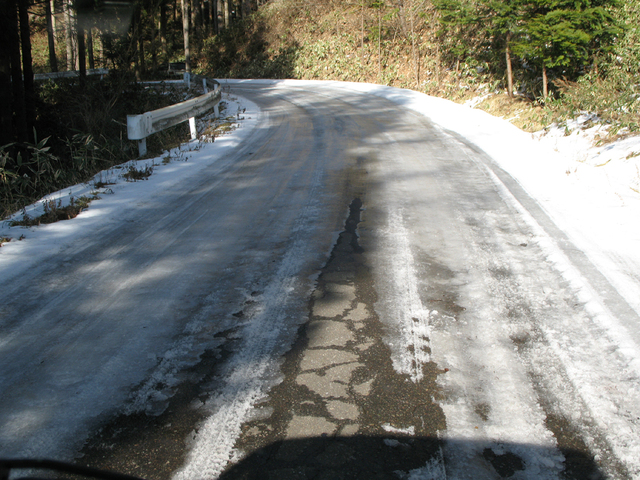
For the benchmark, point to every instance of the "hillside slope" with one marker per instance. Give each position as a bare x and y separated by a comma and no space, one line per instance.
400,44
333,40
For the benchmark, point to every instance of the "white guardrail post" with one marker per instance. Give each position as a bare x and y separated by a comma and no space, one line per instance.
139,127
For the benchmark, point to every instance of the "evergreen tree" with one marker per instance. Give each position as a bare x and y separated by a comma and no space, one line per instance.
558,35
460,30
504,21
470,26
564,35
626,49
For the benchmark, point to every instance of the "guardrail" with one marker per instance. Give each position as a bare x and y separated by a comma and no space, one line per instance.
70,74
139,127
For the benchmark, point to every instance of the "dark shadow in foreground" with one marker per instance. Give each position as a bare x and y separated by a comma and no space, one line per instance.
401,456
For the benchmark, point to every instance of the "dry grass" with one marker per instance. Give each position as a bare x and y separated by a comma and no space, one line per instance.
134,174
55,212
326,42
523,113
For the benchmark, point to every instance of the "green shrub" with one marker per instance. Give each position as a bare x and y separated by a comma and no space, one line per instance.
614,98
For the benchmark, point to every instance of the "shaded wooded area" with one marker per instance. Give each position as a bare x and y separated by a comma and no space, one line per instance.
59,132
143,35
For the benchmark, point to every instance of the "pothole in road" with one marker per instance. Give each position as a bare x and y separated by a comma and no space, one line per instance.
342,411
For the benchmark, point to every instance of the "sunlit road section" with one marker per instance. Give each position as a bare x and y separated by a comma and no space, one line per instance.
351,292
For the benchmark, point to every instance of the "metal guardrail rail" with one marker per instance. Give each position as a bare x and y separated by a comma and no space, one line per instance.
70,74
139,127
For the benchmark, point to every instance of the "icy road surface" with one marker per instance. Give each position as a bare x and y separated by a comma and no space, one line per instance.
532,353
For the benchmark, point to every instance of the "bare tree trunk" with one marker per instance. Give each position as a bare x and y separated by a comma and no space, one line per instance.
154,40
362,27
418,67
6,112
103,60
68,33
185,32
82,59
227,13
17,85
220,12
509,70
402,16
74,34
52,7
416,60
6,97
380,43
92,63
27,66
193,4
163,29
137,45
200,19
545,80
205,17
213,6
141,60
53,61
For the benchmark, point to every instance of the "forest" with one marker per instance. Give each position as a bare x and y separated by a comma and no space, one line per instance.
545,58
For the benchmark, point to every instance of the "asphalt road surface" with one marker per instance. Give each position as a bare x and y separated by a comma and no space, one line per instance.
352,293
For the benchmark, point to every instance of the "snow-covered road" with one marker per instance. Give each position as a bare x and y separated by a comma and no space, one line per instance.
530,321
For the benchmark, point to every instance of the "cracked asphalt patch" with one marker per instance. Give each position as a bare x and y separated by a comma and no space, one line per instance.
342,411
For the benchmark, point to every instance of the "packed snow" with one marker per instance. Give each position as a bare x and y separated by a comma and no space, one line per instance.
29,245
594,204
591,192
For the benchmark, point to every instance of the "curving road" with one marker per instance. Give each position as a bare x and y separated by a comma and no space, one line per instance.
351,292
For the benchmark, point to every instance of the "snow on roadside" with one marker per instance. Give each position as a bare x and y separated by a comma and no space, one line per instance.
30,245
614,165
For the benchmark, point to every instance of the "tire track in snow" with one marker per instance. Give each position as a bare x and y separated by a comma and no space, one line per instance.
254,368
490,404
487,380
403,301
612,410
